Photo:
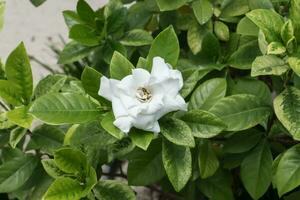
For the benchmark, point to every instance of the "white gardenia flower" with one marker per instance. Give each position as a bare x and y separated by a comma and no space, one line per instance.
140,99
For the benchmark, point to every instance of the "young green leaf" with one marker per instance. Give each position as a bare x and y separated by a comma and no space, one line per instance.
16,136
165,5
64,108
177,162
207,160
203,10
20,117
120,66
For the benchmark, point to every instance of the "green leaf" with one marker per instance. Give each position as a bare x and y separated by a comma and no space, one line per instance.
15,172
217,187
177,162
2,9
203,124
9,93
64,108
294,63
244,56
195,36
50,84
288,170
107,124
37,3
242,141
113,190
47,138
18,71
207,160
20,117
120,66
256,4
177,132
287,31
4,122
243,108
85,12
256,170
203,10
221,31
73,52
191,81
84,35
51,168
70,160
145,167
269,22
207,94
137,37
295,17
141,138
234,8
16,135
286,109
268,65
276,48
247,27
165,45
71,18
165,5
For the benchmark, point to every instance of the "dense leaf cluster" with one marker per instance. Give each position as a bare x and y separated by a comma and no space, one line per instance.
240,61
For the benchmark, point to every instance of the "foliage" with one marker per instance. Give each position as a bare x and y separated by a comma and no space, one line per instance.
240,62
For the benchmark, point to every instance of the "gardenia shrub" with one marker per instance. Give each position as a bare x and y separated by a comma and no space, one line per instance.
192,99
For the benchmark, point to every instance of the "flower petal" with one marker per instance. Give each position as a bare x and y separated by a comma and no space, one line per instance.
119,108
141,77
160,70
107,87
123,123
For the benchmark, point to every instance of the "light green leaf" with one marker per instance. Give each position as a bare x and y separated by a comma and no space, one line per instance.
9,93
15,172
145,167
165,5
4,122
2,9
70,160
120,66
16,135
51,168
276,48
195,36
295,17
294,63
203,10
207,94
73,52
107,124
203,124
287,31
288,171
84,35
286,106
243,108
141,138
85,12
47,138
64,108
269,22
113,190
165,45
247,27
244,56
137,37
50,84
207,160
221,30
20,117
177,132
268,65
18,71
177,162
256,170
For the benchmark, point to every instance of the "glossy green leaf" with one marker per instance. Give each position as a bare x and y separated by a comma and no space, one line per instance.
16,135
120,66
9,93
64,108
177,162
177,132
203,10
51,168
137,37
207,94
113,190
50,84
15,172
84,35
243,108
85,12
73,52
203,124
18,71
107,124
256,170
165,45
207,160
141,138
165,5
20,117
286,109
268,65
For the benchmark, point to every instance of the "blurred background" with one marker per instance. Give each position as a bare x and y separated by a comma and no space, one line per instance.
37,28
